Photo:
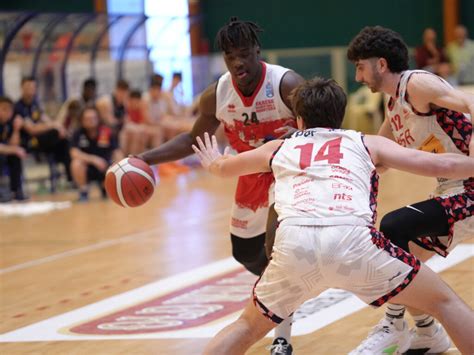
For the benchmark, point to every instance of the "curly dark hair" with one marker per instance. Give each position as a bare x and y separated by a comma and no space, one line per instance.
319,102
380,42
236,34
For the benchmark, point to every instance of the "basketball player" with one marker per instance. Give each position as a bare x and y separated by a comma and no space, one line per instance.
424,112
251,101
325,196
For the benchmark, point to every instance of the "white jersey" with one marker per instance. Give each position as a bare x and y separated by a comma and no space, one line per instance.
438,131
251,121
325,175
248,123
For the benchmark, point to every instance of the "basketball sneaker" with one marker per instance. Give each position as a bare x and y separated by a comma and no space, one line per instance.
437,343
384,338
280,347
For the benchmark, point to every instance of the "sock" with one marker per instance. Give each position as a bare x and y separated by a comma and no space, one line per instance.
394,314
425,324
283,330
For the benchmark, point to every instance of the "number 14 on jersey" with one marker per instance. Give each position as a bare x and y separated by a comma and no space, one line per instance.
330,151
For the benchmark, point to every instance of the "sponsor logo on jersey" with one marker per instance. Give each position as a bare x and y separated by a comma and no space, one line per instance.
230,108
269,90
432,145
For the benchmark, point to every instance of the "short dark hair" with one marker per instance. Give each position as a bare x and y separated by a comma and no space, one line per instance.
135,94
237,34
156,80
27,78
122,84
177,74
6,100
380,42
319,102
89,83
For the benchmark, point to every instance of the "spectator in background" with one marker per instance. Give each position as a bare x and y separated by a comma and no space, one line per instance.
68,115
461,54
11,153
112,108
176,91
39,133
135,131
93,148
163,113
429,56
160,103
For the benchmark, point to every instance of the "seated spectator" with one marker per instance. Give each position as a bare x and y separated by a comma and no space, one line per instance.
39,133
93,148
112,108
176,91
137,134
162,113
160,103
11,153
461,54
429,56
68,114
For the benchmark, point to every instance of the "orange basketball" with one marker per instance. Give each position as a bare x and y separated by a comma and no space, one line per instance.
130,182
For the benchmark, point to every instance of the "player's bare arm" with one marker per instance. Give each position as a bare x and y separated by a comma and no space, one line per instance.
387,153
180,146
250,162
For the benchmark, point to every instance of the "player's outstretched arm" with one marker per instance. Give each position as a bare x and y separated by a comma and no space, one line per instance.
387,153
250,162
180,146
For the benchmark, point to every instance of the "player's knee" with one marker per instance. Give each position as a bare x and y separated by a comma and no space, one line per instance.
392,228
250,253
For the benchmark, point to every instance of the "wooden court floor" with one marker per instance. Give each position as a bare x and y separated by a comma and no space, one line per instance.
61,261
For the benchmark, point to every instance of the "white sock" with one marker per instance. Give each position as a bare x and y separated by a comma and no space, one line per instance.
283,330
395,313
425,324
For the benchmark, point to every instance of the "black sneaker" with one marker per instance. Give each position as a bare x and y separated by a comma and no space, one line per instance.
83,196
20,196
280,347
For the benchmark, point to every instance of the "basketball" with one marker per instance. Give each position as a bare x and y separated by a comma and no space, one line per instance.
130,182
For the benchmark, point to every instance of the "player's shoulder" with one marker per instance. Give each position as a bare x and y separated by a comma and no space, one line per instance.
420,80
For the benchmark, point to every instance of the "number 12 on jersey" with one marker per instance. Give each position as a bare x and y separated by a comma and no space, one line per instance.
330,151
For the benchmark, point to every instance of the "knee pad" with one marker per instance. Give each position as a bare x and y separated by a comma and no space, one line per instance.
393,228
250,253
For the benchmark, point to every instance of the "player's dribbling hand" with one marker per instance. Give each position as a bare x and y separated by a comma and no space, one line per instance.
208,150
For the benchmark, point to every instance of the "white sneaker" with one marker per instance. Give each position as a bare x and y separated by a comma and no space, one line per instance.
437,343
384,339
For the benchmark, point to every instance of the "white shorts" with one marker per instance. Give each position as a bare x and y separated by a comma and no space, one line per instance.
307,260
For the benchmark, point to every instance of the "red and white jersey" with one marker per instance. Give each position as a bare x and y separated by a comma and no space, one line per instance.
251,121
438,131
325,175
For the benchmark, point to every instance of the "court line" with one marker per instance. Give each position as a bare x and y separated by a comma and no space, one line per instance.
56,327
104,244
